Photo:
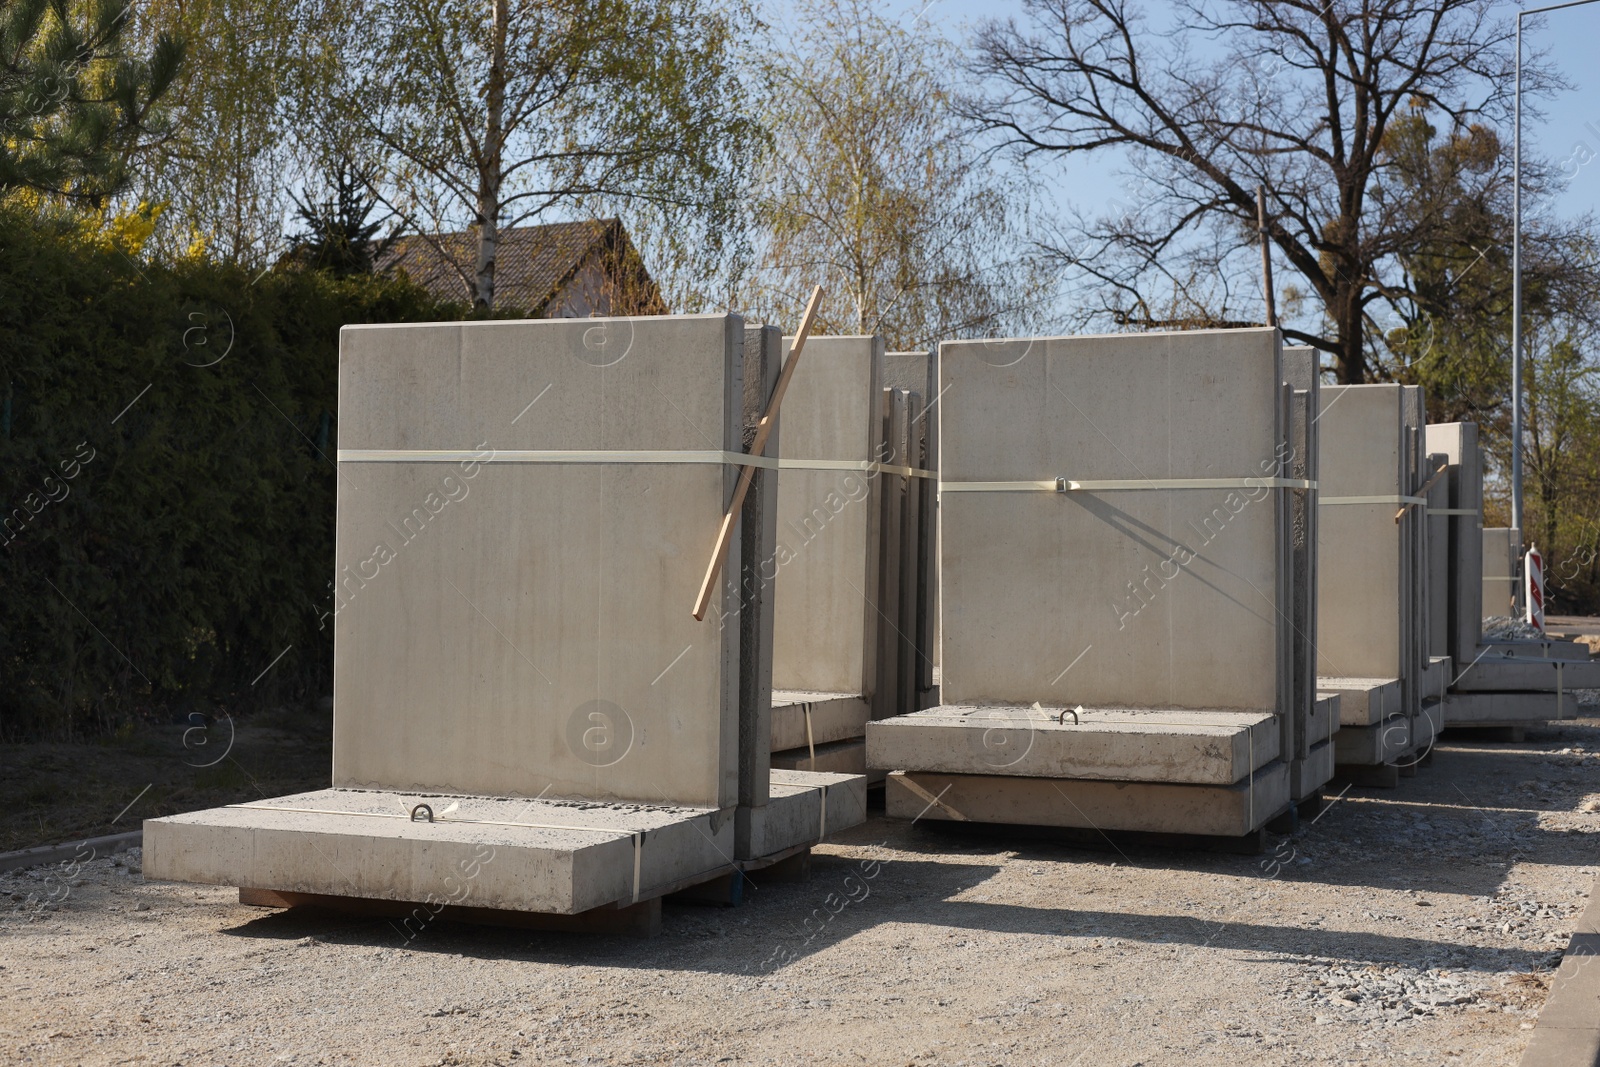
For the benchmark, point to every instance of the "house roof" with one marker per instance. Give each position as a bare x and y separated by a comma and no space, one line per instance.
532,263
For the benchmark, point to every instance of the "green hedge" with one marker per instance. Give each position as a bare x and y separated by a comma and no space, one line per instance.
166,485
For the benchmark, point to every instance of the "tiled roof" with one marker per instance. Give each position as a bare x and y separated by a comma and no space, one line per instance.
532,263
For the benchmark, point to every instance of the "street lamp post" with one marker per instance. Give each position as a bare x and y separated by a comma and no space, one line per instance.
1516,268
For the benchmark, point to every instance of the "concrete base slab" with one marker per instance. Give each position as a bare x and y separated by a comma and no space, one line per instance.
839,757
834,717
1323,721
1436,677
543,855
1308,776
1152,807
1202,747
1382,742
1501,709
1364,701
549,856
1535,648
802,803
1492,672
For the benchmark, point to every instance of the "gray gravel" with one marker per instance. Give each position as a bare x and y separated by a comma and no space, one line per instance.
1414,925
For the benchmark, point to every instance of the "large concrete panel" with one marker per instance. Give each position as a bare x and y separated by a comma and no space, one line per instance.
509,627
1153,807
1362,580
826,566
1130,598
1206,746
1499,571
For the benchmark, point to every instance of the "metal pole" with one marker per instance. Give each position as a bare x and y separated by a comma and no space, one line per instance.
1516,268
1516,292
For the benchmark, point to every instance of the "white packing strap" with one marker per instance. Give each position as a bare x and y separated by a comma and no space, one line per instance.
1068,485
567,455
1452,511
811,746
866,466
1406,500
638,853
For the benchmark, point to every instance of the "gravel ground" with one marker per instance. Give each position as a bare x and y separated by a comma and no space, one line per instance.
1414,925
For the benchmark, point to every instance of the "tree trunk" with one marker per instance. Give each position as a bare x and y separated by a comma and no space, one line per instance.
489,164
1350,365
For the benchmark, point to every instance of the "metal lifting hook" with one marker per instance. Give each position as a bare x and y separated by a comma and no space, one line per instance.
425,810
1062,718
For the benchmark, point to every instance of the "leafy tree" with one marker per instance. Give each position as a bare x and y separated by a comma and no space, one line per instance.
74,104
494,115
1301,97
243,133
874,190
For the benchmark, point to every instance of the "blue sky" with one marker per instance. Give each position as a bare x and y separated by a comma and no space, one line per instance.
1565,134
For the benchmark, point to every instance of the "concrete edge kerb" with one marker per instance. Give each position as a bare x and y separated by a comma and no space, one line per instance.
100,846
1574,994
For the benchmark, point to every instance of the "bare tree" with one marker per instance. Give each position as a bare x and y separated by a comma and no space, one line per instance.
1298,96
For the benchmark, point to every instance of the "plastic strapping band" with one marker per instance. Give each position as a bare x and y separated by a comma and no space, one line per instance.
811,746
1067,485
1558,690
866,466
446,455
822,821
1373,500
1452,511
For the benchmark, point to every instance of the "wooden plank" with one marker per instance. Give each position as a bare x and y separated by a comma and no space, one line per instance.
719,552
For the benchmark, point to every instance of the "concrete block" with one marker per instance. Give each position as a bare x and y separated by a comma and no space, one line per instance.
1211,746
1308,776
1177,592
837,757
1502,709
506,627
1436,677
1323,721
1155,807
834,717
560,857
1389,740
1491,673
804,802
1364,701
825,570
